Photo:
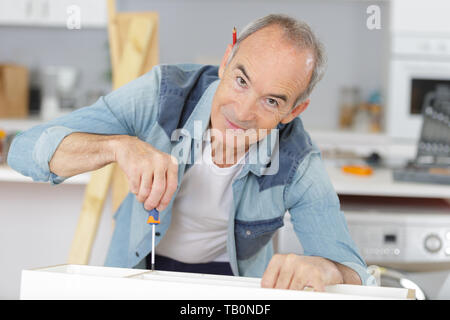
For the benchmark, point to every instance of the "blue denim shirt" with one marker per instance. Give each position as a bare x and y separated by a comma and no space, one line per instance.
179,97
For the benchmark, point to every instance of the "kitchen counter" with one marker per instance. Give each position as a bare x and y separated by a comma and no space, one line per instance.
9,175
381,183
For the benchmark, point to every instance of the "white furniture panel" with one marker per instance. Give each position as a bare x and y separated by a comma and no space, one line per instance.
420,16
87,282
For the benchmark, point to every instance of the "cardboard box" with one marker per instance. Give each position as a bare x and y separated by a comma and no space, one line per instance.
13,91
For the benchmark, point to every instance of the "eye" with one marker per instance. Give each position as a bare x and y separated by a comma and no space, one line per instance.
241,82
272,102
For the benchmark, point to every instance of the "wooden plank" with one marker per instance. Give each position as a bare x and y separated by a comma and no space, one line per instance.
152,56
114,44
94,199
120,187
134,51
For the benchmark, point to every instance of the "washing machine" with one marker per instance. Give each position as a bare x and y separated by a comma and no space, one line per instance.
404,241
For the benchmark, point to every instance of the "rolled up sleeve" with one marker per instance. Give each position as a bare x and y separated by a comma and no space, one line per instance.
129,110
32,150
44,149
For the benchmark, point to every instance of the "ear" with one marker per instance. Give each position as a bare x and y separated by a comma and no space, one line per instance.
295,111
223,63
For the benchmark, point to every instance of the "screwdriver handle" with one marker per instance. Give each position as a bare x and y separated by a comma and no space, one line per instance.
153,217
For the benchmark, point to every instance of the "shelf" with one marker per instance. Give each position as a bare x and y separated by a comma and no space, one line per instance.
9,175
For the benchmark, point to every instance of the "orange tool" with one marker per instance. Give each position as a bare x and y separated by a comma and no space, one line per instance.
359,170
153,219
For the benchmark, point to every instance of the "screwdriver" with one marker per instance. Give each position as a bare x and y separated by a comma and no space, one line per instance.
153,219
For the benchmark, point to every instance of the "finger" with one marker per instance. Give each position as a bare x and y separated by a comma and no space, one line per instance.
316,282
285,276
145,186
318,286
134,184
307,279
297,283
298,280
313,285
270,276
172,183
157,189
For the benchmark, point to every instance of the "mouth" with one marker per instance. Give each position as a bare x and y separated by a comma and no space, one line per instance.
233,126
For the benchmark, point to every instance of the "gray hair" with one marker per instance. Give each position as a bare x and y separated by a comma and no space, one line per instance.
300,34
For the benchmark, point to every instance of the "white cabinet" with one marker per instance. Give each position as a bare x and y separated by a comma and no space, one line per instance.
418,16
11,12
72,14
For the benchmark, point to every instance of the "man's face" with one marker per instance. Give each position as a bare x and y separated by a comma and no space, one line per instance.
259,87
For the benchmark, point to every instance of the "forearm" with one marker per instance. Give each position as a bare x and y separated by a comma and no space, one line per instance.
83,152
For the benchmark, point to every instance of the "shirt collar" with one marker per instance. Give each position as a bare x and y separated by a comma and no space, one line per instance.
199,119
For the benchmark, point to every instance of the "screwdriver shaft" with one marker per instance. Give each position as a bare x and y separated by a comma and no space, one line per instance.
153,247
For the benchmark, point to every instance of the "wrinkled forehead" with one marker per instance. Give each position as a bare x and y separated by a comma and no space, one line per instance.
273,61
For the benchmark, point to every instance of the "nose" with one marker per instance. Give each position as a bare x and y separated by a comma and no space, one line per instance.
245,110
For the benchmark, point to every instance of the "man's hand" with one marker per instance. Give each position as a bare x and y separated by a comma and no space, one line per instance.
291,271
152,174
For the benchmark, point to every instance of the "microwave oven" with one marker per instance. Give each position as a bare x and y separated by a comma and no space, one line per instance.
418,65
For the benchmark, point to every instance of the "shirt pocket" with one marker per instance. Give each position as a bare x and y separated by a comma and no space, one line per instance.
251,236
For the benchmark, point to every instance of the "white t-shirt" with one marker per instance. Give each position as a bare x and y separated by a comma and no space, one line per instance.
200,213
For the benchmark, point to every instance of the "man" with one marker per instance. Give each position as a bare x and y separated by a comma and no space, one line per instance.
217,215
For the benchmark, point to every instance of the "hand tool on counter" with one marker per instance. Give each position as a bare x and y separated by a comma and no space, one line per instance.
361,170
153,219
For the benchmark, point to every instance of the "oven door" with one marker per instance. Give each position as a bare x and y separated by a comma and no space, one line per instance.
409,82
